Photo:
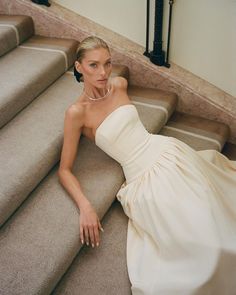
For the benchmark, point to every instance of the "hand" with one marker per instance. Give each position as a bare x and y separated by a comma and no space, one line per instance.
89,226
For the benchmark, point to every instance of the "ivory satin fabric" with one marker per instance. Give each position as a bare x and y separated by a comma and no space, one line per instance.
181,206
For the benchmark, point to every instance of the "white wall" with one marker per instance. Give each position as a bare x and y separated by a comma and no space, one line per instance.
202,40
126,17
203,37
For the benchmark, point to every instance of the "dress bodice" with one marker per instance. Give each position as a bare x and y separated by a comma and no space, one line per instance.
123,137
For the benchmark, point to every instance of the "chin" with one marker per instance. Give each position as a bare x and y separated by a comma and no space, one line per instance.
101,85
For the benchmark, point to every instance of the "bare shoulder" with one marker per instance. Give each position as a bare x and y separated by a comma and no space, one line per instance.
75,110
75,114
119,82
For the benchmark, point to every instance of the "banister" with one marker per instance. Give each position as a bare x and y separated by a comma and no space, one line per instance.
157,56
146,53
171,2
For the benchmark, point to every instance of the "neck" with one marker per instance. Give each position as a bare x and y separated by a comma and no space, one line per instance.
94,93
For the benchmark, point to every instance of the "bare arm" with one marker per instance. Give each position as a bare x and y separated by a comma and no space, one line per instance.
89,223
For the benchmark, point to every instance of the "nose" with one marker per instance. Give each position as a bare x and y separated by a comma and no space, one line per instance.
102,71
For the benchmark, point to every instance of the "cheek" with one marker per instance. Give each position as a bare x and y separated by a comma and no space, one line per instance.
88,71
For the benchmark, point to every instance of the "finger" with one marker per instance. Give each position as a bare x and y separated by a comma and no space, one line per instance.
91,234
86,233
96,236
81,232
100,226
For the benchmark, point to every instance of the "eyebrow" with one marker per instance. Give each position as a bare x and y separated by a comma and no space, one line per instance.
98,61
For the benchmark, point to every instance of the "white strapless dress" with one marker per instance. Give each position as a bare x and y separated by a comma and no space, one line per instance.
181,206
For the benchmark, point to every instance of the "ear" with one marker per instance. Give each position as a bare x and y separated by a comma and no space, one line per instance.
78,66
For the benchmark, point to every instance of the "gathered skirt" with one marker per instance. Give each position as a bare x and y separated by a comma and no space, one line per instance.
182,223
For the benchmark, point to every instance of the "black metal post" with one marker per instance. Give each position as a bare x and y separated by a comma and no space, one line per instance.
146,53
42,2
169,31
157,56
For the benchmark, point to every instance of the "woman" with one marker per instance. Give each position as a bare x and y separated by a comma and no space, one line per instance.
180,203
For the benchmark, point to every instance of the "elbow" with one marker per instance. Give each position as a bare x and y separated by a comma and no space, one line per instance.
61,174
64,173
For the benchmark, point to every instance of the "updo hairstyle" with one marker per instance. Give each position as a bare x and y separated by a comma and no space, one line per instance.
88,43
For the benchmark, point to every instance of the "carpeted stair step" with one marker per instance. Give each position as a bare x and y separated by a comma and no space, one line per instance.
40,241
154,106
106,266
30,143
29,69
199,133
14,29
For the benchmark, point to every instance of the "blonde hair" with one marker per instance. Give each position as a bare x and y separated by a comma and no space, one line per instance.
90,43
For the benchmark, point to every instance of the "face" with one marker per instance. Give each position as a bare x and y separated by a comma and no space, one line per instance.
96,67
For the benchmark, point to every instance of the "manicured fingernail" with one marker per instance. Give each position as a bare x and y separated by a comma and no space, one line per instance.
82,241
87,243
102,229
93,245
97,244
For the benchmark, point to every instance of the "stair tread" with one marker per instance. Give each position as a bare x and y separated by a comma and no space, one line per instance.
105,266
40,242
14,29
199,133
154,106
34,139
44,65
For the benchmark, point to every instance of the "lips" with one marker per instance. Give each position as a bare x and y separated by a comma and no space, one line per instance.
102,80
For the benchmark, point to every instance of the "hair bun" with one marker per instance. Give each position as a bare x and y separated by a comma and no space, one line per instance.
77,75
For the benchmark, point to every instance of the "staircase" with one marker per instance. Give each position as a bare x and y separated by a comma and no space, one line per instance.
40,250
